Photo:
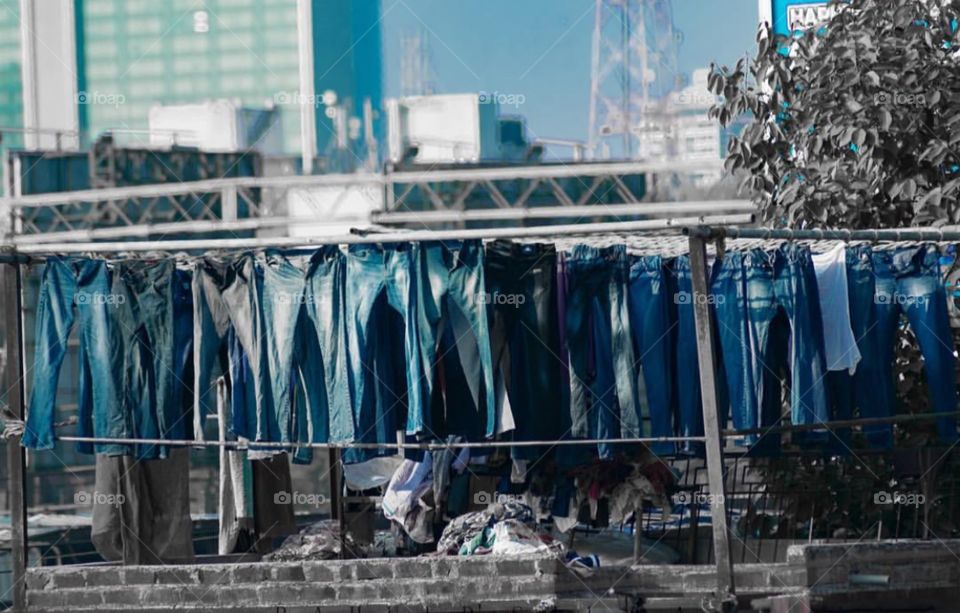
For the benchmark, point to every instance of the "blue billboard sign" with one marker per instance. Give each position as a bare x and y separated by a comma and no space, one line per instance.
789,16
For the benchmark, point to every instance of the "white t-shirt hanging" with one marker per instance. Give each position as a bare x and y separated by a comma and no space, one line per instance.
841,345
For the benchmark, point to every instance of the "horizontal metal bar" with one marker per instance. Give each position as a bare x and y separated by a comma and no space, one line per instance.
538,171
179,227
947,233
428,446
557,171
568,212
422,217
353,239
842,423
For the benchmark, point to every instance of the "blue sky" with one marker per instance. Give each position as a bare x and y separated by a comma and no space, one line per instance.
540,49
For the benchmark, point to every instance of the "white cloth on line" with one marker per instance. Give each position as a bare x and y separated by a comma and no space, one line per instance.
841,345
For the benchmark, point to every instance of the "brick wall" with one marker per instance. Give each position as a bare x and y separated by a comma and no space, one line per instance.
412,584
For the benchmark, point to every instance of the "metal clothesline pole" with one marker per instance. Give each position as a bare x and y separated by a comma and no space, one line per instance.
947,233
11,286
386,237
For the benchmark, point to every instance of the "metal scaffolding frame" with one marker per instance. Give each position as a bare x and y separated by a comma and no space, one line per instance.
509,187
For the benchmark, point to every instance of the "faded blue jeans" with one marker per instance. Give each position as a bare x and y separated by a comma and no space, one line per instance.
212,330
242,292
908,282
71,290
603,389
376,272
650,322
781,290
452,285
304,320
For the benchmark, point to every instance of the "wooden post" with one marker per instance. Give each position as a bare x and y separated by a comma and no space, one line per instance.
10,287
724,597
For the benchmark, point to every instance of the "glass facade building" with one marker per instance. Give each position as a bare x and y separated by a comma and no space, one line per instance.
138,53
11,82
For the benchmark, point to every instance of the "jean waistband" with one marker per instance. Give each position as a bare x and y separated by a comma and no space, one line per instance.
641,264
509,250
907,260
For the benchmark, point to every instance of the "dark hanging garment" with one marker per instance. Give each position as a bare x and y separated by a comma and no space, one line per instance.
141,509
273,499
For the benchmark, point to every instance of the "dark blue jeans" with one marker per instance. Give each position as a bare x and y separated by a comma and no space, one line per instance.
524,341
908,282
603,388
729,302
649,300
782,291
151,376
452,284
384,274
687,385
865,388
71,290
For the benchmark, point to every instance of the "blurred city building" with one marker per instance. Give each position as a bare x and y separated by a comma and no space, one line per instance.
112,62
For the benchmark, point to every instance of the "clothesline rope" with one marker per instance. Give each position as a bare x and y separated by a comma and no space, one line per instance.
424,446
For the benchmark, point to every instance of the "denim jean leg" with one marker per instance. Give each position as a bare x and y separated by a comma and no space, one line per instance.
283,302
924,302
689,399
870,389
524,339
795,284
102,340
650,324
761,313
242,293
211,326
451,276
402,295
599,342
328,313
54,320
729,292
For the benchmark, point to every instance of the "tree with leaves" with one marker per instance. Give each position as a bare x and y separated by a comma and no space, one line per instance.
855,123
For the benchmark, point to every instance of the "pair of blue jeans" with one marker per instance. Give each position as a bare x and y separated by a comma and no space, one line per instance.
381,279
686,385
908,283
729,306
453,290
651,324
229,332
784,312
604,401
152,314
71,291
305,326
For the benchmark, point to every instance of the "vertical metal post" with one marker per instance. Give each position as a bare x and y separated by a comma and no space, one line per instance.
10,286
711,422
